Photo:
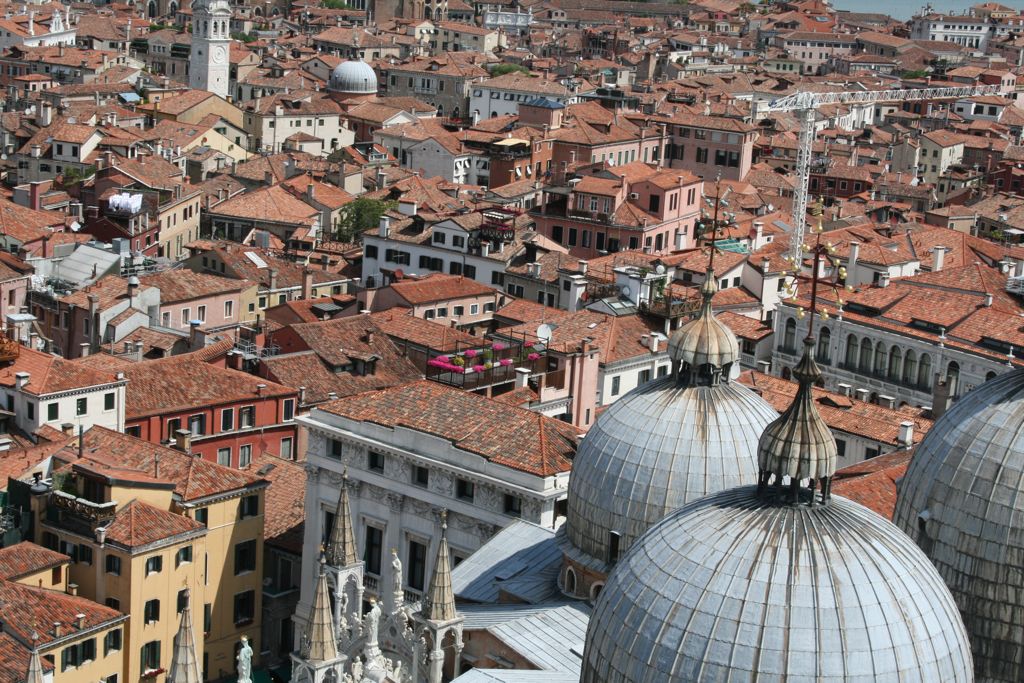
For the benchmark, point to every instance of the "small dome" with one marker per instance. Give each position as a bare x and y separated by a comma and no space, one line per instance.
705,340
354,77
662,445
734,587
961,501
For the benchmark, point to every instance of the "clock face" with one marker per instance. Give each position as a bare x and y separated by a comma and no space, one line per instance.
220,55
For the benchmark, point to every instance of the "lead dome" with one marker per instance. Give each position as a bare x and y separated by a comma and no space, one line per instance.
777,582
665,443
961,501
354,77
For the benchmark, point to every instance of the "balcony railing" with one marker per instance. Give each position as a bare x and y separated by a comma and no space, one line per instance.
82,508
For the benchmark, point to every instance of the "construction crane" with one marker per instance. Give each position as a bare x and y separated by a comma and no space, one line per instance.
805,104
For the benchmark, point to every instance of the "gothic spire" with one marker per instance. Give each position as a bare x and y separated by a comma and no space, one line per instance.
320,644
184,663
35,666
439,603
341,547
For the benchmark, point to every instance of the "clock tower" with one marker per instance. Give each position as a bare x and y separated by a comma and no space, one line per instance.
211,40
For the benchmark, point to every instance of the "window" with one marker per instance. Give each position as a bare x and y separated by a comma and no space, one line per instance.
197,425
229,309
420,476
643,377
289,409
249,506
154,565
375,462
439,237
183,556
458,311
245,557
245,607
112,641
286,448
207,620
186,315
513,505
840,447
244,455
417,565
113,565
613,546
227,419
84,554
373,548
151,611
201,313
247,417
75,655
182,601
81,406
616,385
464,490
202,515
108,400
151,656
334,452
52,411
224,457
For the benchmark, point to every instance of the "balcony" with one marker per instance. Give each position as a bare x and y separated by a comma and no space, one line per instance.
671,308
95,514
9,350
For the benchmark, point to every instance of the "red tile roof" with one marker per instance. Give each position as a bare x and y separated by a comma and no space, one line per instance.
872,483
171,385
49,374
137,524
284,502
440,288
506,435
27,609
27,558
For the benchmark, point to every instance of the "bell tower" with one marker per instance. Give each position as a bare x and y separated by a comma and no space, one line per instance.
211,41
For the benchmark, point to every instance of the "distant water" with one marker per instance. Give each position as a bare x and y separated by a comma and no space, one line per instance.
904,9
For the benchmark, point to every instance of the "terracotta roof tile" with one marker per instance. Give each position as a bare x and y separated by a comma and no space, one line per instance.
49,374
284,501
25,558
138,524
506,435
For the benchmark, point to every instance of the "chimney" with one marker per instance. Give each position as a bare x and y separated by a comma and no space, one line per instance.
582,266
21,379
988,299
183,441
1018,268
268,178
307,282
939,259
79,621
766,265
764,366
906,437
259,388
302,395
522,377
45,114
887,401
273,279
382,179
654,343
485,248
85,349
72,588
310,192
845,389
384,227
56,629
67,428
851,266
883,280
368,337
156,466
862,394
758,233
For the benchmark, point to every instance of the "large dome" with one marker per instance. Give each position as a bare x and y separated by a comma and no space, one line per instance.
735,587
962,501
660,446
665,443
354,77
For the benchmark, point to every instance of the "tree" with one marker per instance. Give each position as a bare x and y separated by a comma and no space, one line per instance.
502,69
336,4
359,215
243,37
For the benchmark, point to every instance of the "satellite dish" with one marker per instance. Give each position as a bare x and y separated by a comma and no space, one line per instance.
660,270
625,290
544,332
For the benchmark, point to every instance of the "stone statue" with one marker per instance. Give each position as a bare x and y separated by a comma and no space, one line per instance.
244,662
357,670
396,572
372,623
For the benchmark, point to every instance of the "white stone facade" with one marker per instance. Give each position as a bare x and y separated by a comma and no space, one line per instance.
211,41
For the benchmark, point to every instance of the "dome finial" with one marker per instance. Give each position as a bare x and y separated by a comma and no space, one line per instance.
799,445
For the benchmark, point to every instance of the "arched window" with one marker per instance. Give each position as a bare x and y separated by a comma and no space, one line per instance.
895,363
824,351
852,350
910,367
924,372
865,355
570,581
990,375
881,359
953,377
595,591
151,9
789,339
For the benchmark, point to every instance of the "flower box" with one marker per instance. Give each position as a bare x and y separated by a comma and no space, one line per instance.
506,361
533,356
470,354
152,673
498,346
